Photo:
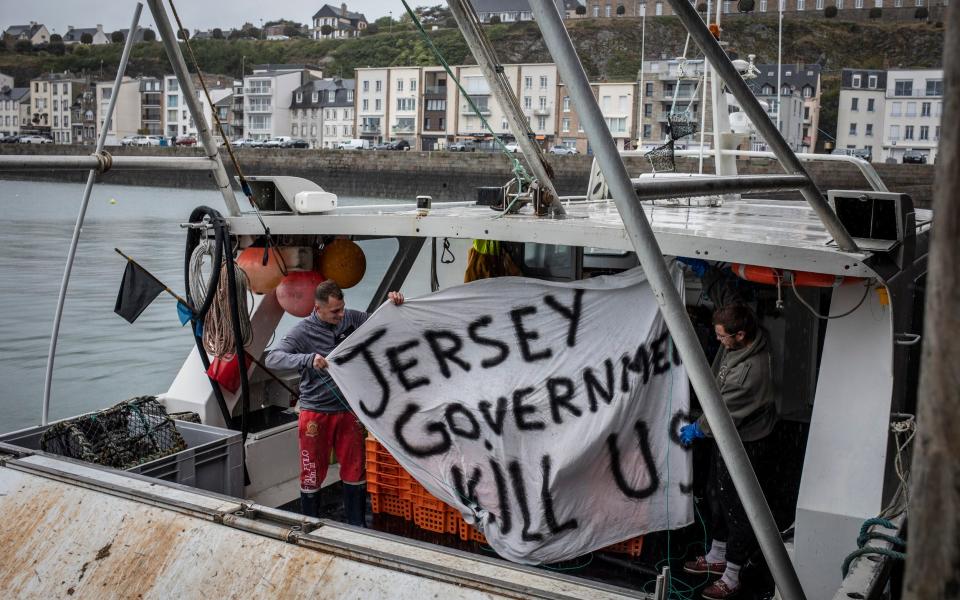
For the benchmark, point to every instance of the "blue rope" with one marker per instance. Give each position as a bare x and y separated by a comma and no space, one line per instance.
866,535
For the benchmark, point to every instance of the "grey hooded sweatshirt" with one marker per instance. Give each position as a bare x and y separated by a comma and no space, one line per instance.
745,378
296,350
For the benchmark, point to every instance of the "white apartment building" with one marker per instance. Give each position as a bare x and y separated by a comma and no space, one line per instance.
267,93
914,106
126,113
618,104
177,119
176,115
14,110
372,104
6,81
405,94
52,97
861,108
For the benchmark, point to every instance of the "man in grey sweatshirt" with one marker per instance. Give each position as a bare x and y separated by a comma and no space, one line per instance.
325,418
744,373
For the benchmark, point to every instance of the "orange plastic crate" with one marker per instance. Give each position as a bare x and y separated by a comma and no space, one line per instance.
469,532
421,497
431,519
391,505
632,547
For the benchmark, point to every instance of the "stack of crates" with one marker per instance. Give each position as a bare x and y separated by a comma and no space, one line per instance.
394,492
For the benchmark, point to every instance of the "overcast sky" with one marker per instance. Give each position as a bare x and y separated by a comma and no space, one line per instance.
196,14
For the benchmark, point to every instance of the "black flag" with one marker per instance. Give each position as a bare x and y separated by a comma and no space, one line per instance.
137,290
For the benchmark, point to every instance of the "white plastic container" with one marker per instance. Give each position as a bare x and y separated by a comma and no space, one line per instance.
314,202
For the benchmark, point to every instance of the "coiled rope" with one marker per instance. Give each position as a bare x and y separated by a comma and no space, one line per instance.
218,332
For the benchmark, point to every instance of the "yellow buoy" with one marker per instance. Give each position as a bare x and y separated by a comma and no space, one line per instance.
113,200
343,261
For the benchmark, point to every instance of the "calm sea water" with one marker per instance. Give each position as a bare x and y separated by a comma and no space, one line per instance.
101,359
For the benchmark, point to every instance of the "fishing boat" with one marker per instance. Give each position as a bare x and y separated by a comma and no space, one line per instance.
840,275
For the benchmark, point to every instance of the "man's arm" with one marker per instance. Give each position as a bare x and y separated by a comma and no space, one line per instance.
740,398
289,354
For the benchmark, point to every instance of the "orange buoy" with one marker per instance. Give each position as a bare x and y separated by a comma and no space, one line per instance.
771,276
296,292
343,262
263,278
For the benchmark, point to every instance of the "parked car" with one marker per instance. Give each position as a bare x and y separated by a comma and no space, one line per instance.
462,146
132,140
512,147
355,144
34,139
563,150
10,139
186,140
154,140
863,153
915,157
276,142
242,142
295,143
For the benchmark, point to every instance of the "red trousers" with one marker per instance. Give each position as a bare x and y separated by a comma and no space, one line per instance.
319,432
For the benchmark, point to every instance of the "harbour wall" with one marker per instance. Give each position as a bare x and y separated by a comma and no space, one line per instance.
443,175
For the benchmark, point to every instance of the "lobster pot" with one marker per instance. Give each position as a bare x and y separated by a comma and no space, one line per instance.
123,436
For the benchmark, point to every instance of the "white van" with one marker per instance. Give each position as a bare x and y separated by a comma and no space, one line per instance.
354,145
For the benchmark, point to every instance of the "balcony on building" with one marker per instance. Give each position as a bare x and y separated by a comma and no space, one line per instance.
541,112
403,126
370,129
261,90
435,91
466,109
150,114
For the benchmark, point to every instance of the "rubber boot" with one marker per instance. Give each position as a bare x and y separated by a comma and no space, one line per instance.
355,504
310,504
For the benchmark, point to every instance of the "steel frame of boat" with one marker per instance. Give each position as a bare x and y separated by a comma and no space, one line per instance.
862,375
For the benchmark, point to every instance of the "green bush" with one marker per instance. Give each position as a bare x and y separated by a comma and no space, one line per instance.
876,12
23,46
830,12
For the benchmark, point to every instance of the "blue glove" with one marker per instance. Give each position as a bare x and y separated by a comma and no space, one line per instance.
699,267
690,432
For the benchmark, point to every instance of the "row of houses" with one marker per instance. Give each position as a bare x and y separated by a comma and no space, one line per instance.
38,34
884,112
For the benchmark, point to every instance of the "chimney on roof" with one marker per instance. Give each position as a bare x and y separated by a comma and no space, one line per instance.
343,9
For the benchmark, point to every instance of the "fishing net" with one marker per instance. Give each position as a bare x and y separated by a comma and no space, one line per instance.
661,158
123,436
681,126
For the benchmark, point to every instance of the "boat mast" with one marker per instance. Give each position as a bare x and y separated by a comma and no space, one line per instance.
640,94
75,240
661,282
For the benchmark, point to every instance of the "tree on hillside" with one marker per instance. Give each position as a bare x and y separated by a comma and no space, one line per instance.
86,38
23,46
149,35
581,10
383,22
621,10
235,34
326,30
830,12
56,38
183,34
116,37
371,29
745,6
56,45
217,34
293,30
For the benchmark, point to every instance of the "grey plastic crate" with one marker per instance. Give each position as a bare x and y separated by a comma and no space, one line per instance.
213,460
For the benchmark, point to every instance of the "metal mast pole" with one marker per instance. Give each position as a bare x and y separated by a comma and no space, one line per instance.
492,71
671,305
170,44
779,60
641,104
75,240
727,74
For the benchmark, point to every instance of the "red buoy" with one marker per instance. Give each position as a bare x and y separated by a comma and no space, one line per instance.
263,278
296,292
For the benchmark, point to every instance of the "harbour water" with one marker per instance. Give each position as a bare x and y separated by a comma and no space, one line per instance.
101,359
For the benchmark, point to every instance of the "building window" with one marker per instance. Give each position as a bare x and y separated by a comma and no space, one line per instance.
934,87
566,104
924,132
565,124
763,5
895,109
936,132
658,9
853,129
648,110
806,113
870,103
377,85
648,91
596,10
543,82
925,109
819,4
868,129
854,103
377,105
647,130
607,11
801,4
528,83
541,123
908,132
171,99
399,85
413,85
366,85
903,87
911,109
406,103
527,102
364,105
855,82
543,105
299,100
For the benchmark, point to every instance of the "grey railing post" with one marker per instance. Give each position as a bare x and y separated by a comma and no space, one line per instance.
667,296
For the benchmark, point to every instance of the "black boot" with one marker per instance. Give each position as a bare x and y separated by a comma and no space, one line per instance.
355,504
310,504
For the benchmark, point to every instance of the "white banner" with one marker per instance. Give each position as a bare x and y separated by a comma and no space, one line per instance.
542,411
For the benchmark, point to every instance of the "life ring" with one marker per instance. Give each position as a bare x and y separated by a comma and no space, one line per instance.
771,276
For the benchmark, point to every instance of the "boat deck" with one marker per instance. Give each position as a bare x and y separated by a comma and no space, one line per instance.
775,233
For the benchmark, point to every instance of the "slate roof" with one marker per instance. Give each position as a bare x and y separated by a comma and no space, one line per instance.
75,34
14,94
323,85
799,76
331,11
138,37
846,78
28,30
